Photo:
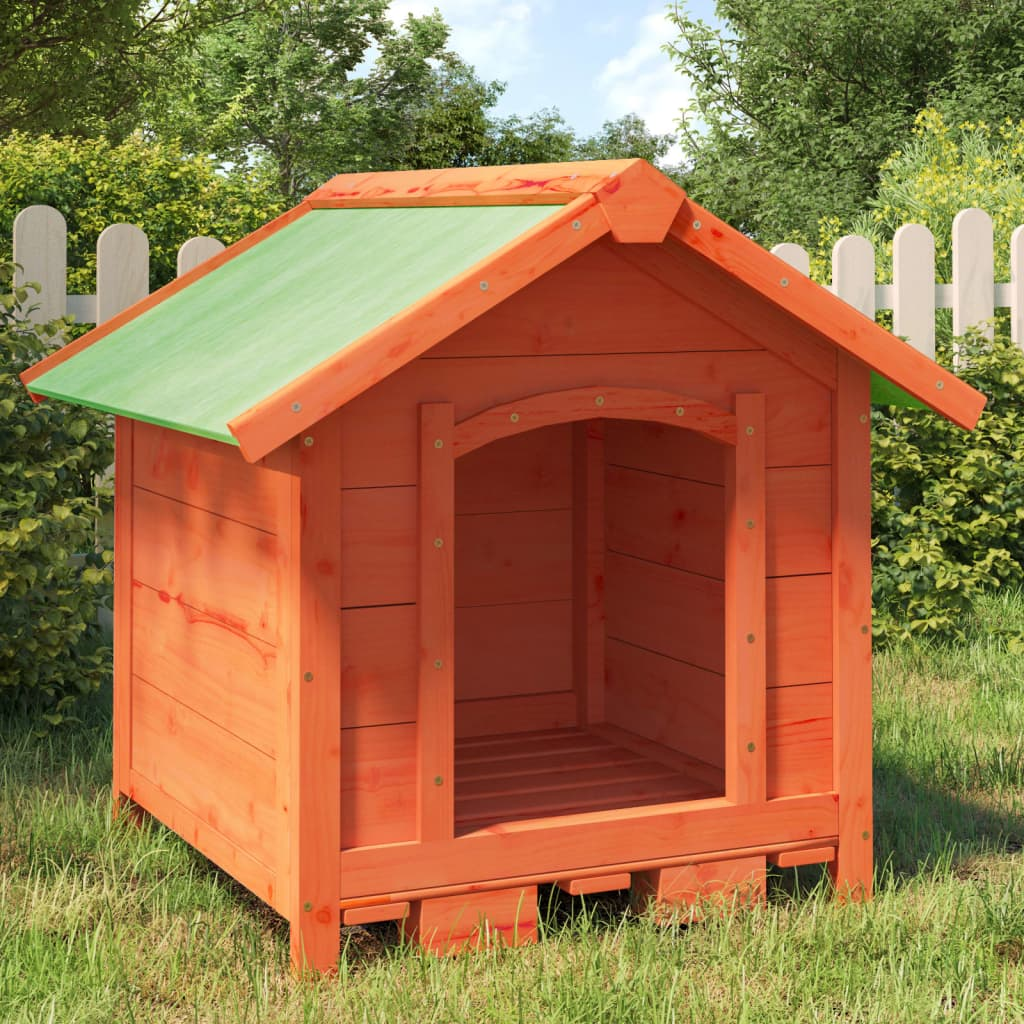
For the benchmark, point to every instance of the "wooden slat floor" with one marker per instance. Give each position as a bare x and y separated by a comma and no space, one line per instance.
553,772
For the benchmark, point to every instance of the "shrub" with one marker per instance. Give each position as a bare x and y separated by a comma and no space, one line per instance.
52,580
948,505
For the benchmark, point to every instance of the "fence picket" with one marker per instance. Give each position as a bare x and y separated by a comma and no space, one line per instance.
40,246
853,273
973,271
1017,286
195,250
913,287
795,255
122,269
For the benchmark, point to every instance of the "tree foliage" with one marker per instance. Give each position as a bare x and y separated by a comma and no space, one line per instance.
52,580
798,102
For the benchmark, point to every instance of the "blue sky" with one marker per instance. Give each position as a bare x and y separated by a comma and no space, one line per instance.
593,61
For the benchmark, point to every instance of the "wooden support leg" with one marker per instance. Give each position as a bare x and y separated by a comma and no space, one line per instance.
687,893
452,924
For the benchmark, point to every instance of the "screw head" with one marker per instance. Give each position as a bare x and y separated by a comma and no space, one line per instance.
484,286
308,676
438,443
599,400
308,442
296,407
438,781
784,282
863,417
939,385
696,225
576,225
438,542
680,411
514,418
438,663
307,905
864,629
751,748
750,638
865,835
750,431
750,524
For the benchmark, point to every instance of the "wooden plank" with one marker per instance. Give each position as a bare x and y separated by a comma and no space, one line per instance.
797,858
378,785
245,869
122,269
378,545
745,617
379,430
316,560
679,523
798,520
40,242
513,557
531,743
473,772
124,545
853,273
666,610
527,472
697,889
499,715
453,924
799,640
799,737
574,404
681,763
110,325
436,597
593,303
379,665
205,474
219,672
655,448
226,570
667,701
594,883
195,251
372,915
514,649
913,284
221,779
850,580
588,569
381,352
717,245
573,844
973,273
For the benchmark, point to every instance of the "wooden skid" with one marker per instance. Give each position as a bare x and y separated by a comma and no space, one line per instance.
690,892
452,924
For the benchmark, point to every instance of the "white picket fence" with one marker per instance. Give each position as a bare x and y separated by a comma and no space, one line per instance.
122,273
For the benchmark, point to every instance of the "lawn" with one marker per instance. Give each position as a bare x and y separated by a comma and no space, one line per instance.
103,921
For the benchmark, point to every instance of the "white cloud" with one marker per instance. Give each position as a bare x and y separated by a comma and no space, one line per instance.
644,80
495,36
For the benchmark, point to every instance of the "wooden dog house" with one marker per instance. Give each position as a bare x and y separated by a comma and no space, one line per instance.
484,528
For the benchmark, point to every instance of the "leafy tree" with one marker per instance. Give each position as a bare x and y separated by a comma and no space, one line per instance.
83,66
625,138
798,102
52,581
93,182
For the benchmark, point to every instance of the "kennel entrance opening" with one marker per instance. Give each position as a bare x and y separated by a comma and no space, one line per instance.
589,606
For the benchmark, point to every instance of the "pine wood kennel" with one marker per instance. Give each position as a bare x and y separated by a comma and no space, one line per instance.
484,528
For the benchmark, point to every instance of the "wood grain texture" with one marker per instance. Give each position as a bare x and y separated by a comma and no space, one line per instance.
511,650
588,569
378,785
798,520
654,448
222,673
494,716
436,597
205,474
594,302
595,883
222,780
528,472
799,642
536,410
852,870
124,544
799,735
315,719
230,572
566,845
379,429
453,924
513,557
797,858
692,891
379,665
378,546
373,914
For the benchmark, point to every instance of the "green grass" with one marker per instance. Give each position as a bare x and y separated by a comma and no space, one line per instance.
108,922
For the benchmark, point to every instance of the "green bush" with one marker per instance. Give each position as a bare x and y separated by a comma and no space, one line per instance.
52,580
948,506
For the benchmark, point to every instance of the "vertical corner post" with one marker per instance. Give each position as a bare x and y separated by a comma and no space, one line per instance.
435,750
588,569
314,665
745,619
852,868
124,433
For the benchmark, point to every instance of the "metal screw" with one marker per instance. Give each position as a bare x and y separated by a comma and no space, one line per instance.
484,286
751,747
296,407
863,629
307,905
308,442
438,543
680,411
865,835
750,638
438,781
439,443
863,417
784,282
308,676
438,663
599,400
939,384
750,431
514,417
750,524
576,225
696,225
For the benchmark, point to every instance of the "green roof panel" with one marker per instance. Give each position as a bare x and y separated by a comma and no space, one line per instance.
211,351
